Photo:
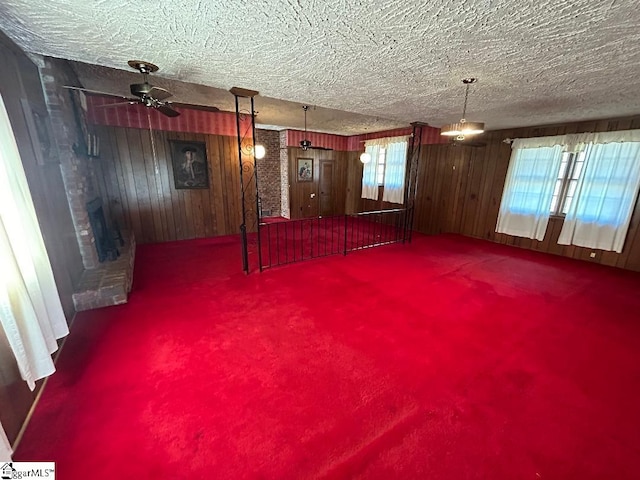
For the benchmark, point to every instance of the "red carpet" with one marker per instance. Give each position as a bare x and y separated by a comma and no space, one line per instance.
449,358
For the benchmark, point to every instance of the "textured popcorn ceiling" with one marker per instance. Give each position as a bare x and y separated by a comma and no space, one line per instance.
272,113
395,61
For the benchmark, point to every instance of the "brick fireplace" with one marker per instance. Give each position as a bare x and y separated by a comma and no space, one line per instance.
108,269
104,236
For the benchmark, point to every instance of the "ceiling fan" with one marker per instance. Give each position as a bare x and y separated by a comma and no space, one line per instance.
306,144
145,93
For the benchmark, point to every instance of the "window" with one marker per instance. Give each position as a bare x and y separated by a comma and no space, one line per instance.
567,182
381,164
31,314
610,183
386,169
528,191
590,179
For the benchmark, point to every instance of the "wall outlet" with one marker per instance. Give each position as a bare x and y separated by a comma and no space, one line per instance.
592,254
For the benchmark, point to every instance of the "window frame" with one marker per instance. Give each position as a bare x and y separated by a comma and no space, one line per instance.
573,159
382,154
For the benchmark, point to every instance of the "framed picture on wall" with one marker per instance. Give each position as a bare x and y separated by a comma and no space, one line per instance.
304,170
189,162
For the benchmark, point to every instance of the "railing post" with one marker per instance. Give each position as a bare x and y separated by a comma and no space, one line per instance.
278,242
411,185
269,237
346,217
247,182
245,250
411,213
404,226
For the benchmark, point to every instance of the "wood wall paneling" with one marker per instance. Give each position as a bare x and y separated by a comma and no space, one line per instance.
304,197
326,195
339,185
460,189
353,182
138,186
216,199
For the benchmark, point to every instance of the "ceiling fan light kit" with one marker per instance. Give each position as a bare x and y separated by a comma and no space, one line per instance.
463,127
305,144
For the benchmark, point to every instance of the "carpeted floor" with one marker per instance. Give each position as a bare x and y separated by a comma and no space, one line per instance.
450,358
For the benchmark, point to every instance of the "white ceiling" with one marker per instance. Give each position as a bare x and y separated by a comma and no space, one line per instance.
394,61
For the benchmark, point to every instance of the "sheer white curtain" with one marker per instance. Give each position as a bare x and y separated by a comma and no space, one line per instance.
30,310
5,446
600,213
528,190
394,172
370,172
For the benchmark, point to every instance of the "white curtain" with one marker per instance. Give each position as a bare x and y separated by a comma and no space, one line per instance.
394,172
528,190
30,310
395,166
577,141
5,446
370,173
601,210
539,142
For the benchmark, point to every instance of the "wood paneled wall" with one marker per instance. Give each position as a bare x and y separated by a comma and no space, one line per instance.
300,193
460,189
20,80
139,191
353,202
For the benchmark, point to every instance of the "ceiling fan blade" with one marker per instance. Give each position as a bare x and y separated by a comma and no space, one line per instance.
168,111
95,92
192,106
117,104
159,93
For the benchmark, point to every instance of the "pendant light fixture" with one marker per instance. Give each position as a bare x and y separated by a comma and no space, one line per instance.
365,157
463,128
260,151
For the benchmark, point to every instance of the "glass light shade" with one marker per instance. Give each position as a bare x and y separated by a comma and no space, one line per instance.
365,157
462,128
260,151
